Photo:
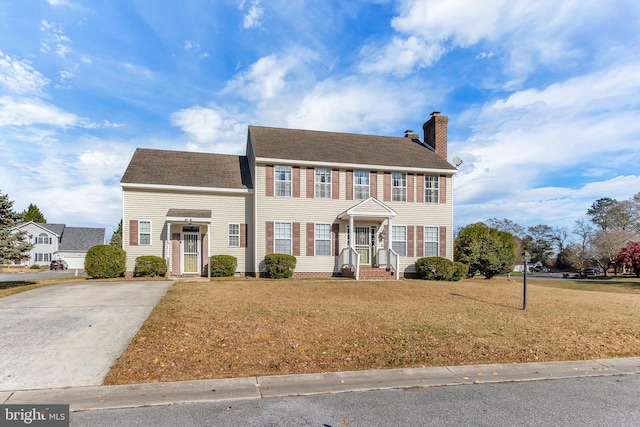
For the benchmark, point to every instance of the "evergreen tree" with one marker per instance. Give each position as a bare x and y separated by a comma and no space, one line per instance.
485,250
13,244
116,237
33,214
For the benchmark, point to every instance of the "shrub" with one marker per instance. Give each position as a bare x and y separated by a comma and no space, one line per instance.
280,265
438,268
460,271
105,261
34,267
223,265
150,266
435,268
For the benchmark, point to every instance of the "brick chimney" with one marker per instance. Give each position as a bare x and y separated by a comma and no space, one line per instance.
435,133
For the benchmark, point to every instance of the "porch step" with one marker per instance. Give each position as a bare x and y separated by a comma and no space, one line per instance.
370,273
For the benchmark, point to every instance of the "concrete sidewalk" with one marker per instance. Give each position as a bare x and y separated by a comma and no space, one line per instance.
158,394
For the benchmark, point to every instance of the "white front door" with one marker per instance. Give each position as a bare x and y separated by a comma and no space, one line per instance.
190,253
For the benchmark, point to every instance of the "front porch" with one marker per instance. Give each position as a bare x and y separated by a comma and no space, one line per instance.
369,224
186,243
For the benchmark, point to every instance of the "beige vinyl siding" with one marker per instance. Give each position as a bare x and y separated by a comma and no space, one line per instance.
311,210
153,206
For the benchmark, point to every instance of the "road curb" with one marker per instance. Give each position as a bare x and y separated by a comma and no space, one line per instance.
247,388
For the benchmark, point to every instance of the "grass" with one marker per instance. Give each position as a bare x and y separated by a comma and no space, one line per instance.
246,327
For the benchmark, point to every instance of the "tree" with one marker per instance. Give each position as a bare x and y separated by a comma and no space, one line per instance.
116,237
630,257
600,212
577,257
516,230
578,253
508,226
13,244
606,246
33,214
485,250
539,242
559,236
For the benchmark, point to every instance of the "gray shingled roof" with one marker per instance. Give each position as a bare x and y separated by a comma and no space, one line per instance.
189,213
81,239
183,168
335,147
57,229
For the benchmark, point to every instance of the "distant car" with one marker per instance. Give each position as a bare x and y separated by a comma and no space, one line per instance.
59,264
540,269
592,271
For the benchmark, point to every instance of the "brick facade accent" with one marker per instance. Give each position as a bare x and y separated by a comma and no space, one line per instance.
349,185
269,180
335,184
442,188
311,183
373,184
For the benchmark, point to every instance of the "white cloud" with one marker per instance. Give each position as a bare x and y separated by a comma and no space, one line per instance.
401,56
212,129
254,15
28,111
586,127
270,75
54,38
19,77
353,104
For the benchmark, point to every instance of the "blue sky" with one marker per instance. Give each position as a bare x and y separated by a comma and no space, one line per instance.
543,97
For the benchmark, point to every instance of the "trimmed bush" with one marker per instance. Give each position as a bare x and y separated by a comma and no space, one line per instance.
460,271
438,268
280,266
34,267
223,265
150,266
105,261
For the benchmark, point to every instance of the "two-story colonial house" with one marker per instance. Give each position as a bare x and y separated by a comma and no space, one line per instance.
57,241
340,203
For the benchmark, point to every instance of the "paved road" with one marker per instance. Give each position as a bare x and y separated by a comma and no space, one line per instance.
70,334
46,274
595,401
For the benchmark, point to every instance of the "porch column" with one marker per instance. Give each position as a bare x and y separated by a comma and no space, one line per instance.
209,250
168,242
351,240
388,242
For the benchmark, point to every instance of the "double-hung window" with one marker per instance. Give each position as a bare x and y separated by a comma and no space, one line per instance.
282,181
234,235
322,236
399,239
144,232
361,185
323,183
282,237
399,187
43,239
431,241
431,189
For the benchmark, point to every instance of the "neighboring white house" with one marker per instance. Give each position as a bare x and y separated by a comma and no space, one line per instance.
57,241
341,203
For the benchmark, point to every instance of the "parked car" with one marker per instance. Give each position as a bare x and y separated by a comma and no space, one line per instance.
58,264
540,269
592,271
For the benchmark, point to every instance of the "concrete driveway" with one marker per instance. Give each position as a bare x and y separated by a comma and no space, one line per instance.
70,334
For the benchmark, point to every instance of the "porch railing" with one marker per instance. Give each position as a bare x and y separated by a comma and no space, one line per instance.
349,257
389,258
394,260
